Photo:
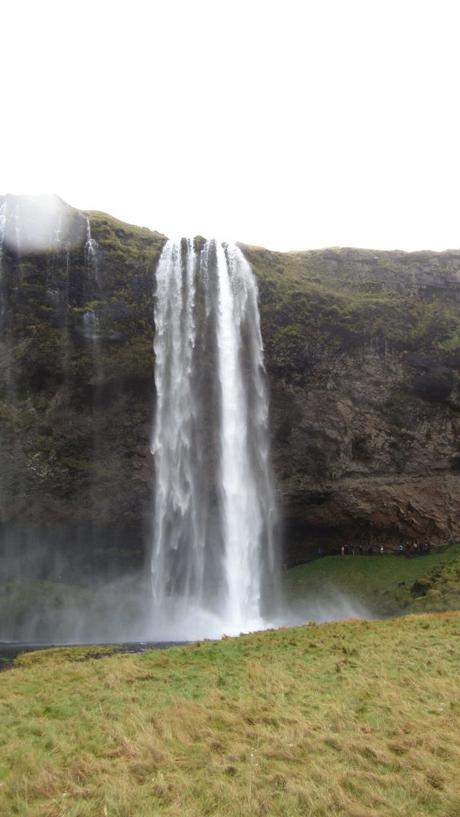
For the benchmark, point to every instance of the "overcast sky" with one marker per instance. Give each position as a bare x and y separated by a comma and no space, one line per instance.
292,124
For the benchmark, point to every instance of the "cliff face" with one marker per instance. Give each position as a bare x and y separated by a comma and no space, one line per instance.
76,384
362,354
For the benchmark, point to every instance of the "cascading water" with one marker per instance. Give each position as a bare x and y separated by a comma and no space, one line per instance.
213,554
91,253
90,318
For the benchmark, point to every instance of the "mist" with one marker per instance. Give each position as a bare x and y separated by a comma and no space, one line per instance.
121,610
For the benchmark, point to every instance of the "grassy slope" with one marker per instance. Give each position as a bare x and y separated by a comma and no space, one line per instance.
350,719
384,584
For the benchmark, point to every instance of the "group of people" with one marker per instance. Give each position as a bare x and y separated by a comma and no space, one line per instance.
406,548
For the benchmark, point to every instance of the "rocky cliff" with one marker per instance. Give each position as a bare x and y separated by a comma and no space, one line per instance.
362,354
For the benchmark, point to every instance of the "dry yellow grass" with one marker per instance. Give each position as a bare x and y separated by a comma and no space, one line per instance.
355,719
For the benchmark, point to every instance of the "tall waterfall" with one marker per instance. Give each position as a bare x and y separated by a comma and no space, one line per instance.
213,554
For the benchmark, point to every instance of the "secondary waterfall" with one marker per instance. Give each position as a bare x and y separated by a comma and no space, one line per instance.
213,555
91,253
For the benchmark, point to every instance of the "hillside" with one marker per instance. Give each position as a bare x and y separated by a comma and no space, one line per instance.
391,584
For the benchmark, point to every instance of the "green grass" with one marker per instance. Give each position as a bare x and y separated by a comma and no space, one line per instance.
355,719
386,584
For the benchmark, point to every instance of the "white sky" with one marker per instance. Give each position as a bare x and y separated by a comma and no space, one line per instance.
284,123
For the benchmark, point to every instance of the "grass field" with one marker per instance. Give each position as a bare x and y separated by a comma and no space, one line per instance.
358,719
383,585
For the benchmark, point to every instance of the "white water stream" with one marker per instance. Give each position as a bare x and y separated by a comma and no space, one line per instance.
213,553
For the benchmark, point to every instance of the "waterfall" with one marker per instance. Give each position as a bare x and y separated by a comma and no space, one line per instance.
91,253
213,552
91,328
178,517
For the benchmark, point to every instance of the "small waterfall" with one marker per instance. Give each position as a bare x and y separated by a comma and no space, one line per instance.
91,253
9,224
91,333
91,329
12,476
213,554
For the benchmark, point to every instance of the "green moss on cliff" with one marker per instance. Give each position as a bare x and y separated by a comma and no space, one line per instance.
451,343
321,304
135,248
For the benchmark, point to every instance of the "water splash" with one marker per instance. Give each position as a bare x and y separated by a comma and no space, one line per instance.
213,554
